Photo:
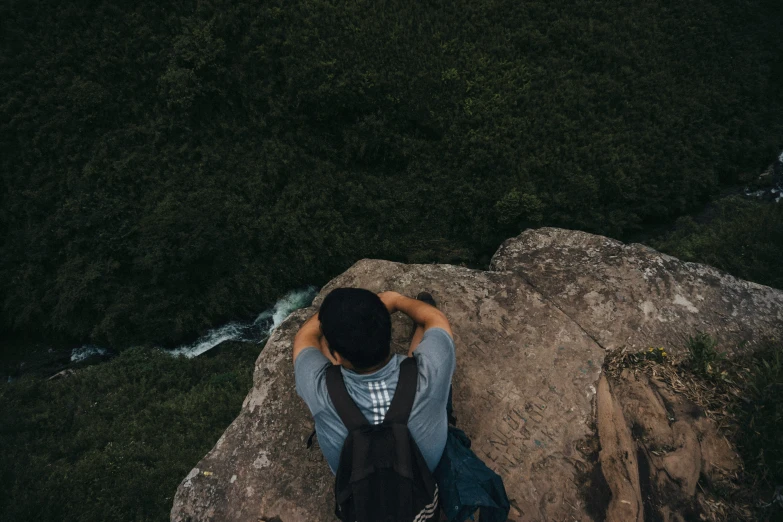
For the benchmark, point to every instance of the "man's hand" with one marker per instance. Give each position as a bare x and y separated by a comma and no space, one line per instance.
421,313
390,299
309,335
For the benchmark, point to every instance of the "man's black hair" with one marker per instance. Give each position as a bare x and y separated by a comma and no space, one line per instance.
356,325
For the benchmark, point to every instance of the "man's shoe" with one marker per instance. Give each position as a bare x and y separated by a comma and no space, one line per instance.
427,298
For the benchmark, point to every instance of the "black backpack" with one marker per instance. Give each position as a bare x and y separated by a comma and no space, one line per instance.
382,476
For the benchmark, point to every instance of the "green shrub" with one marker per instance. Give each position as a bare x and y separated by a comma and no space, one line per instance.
761,443
743,237
113,441
703,355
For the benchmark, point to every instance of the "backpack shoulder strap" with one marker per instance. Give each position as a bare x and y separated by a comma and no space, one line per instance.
402,402
347,409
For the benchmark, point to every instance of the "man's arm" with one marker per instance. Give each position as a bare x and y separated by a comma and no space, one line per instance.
421,313
309,335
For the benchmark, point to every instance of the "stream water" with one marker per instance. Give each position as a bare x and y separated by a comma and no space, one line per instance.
255,331
775,191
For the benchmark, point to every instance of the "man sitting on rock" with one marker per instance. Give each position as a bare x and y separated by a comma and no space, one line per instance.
353,329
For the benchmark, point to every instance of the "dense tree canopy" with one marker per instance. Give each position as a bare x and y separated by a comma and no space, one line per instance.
169,165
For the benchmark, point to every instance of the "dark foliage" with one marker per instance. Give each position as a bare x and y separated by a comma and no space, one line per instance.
743,237
113,441
167,166
748,389
761,443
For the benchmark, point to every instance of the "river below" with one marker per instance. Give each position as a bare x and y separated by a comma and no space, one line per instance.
53,360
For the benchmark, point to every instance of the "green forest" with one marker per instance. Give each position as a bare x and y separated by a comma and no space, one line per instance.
168,167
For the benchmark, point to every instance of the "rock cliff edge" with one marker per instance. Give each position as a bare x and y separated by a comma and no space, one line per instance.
531,336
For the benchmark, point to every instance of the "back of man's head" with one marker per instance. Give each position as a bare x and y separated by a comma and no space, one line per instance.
356,325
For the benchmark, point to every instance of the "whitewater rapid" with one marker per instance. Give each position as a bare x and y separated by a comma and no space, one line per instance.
87,351
255,331
775,192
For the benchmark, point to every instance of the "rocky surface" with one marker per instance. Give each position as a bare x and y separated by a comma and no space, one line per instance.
531,337
655,446
633,296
